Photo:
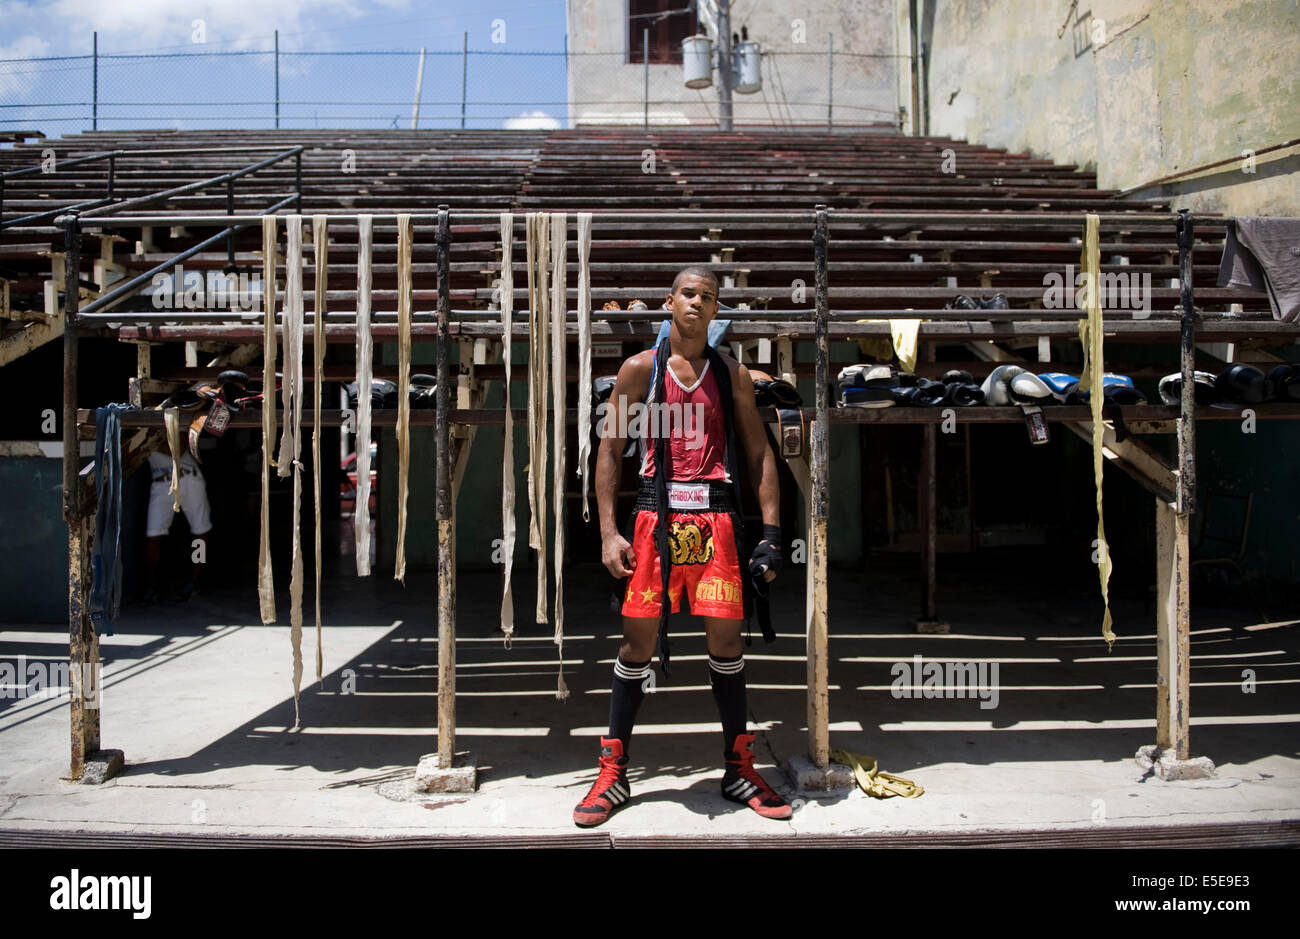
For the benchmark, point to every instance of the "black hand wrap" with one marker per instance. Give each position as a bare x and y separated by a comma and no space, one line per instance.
767,555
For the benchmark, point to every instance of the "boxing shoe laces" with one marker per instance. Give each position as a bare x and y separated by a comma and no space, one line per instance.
610,790
742,784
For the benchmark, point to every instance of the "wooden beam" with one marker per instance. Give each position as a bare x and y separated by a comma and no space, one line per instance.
83,646
1134,457
32,336
1173,627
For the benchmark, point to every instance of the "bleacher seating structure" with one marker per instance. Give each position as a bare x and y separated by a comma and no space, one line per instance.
912,222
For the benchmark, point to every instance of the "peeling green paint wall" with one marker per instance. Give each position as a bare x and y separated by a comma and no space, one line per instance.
1134,90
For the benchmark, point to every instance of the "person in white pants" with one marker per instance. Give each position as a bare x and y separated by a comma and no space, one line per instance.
194,503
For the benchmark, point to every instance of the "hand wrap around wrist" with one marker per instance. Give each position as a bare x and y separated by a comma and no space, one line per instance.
767,555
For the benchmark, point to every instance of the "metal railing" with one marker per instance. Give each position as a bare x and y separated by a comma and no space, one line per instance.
98,310
106,203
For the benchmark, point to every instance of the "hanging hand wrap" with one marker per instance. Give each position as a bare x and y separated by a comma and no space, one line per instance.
265,578
559,306
320,245
403,387
291,442
365,375
507,294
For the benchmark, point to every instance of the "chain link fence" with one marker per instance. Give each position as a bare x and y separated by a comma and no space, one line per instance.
472,89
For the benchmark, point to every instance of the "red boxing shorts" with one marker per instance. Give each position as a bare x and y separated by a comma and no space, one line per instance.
702,548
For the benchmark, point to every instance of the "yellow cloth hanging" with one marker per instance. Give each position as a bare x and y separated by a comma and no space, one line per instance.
902,342
904,333
874,781
1090,336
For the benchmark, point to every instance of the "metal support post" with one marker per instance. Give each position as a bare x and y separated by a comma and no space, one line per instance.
230,238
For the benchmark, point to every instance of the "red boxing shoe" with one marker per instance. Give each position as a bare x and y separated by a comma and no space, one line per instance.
742,783
610,791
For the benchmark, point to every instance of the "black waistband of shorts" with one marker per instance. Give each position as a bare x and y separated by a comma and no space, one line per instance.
721,497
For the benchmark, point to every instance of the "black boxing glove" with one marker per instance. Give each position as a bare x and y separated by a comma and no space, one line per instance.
767,555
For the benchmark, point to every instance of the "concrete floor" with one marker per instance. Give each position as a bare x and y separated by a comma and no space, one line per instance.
198,696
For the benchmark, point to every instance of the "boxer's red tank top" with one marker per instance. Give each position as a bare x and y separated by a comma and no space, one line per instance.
696,452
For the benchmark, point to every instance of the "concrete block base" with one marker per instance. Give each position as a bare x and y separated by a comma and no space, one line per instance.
932,626
1170,768
101,766
462,776
810,778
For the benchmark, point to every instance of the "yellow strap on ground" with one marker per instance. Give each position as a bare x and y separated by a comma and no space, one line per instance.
1090,337
872,780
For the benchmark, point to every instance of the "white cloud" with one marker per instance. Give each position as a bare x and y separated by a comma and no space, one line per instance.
16,78
26,47
532,120
165,24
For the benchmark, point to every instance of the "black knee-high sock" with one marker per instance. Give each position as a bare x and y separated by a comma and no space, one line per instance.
727,675
626,697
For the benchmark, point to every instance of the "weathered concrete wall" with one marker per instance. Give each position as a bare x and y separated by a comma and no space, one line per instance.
1134,90
604,88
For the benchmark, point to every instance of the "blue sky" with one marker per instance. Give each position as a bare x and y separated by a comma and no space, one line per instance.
185,84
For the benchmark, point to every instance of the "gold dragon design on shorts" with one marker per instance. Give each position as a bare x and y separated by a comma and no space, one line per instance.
690,542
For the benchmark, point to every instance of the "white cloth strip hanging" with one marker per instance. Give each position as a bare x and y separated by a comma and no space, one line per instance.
1091,334
584,359
320,243
291,442
403,386
538,378
365,376
265,576
291,323
507,288
172,424
559,411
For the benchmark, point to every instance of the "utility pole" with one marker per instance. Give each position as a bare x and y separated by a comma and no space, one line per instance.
419,84
724,65
464,77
